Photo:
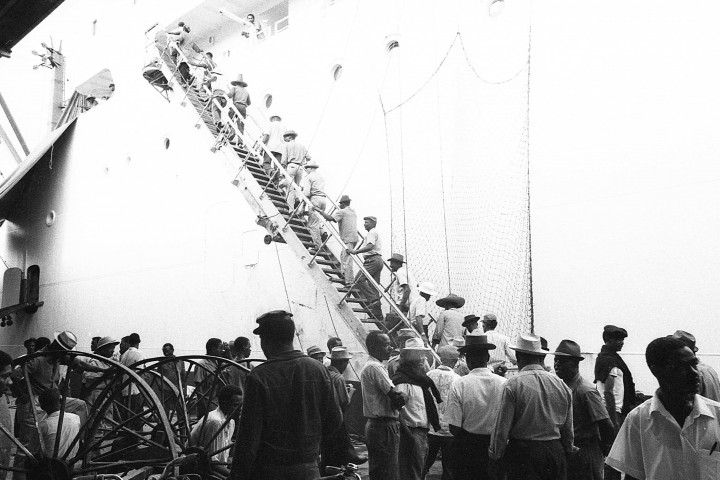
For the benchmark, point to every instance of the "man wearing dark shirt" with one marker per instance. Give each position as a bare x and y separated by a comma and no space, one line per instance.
289,407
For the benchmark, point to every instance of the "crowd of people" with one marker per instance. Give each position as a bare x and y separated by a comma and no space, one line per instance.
285,418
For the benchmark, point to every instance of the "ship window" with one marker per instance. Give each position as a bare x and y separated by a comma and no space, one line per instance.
50,218
94,26
496,7
392,45
211,40
337,72
268,100
167,143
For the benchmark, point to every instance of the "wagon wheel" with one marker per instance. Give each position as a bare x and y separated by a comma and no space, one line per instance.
116,432
172,377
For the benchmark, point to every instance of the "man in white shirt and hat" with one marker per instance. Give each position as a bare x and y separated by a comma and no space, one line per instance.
471,409
313,187
346,219
449,322
503,354
417,313
273,140
240,97
371,249
533,430
294,157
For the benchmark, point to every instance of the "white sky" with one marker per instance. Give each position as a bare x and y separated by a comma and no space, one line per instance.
624,167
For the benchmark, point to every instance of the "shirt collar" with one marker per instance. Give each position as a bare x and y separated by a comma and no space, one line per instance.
532,367
481,371
700,408
444,367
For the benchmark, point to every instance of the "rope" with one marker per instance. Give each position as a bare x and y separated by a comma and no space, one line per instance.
442,185
532,308
387,148
327,305
287,295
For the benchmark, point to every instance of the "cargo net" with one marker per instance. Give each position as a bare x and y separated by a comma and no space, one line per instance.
459,190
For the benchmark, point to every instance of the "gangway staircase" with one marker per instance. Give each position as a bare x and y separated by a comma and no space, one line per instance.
268,201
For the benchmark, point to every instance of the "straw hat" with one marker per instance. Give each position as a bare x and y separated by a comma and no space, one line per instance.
451,301
239,81
529,344
340,353
427,288
66,339
106,341
290,133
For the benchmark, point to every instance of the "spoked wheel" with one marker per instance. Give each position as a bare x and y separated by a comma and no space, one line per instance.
188,388
119,424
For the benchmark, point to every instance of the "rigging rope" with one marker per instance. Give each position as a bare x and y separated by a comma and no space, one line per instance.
287,295
532,309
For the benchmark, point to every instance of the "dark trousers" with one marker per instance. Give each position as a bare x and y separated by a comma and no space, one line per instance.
470,456
184,70
535,460
413,450
373,264
438,443
382,437
586,463
243,113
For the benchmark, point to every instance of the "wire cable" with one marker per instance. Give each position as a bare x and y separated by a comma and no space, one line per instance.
287,295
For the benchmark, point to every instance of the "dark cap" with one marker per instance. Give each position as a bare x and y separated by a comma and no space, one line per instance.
276,324
614,331
687,338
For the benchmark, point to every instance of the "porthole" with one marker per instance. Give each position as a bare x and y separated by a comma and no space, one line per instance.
167,143
268,100
337,72
50,218
496,7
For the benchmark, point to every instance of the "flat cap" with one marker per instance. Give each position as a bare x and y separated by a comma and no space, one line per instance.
374,219
687,338
615,331
275,322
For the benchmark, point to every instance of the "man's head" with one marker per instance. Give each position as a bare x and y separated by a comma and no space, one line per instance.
29,345
5,370
378,345
396,261
470,322
369,223
168,350
50,400
333,342
134,340
106,346
290,135
277,332
567,360
340,358
41,342
687,338
528,350
124,345
230,400
427,290
275,118
344,201
94,343
404,335
214,347
64,342
476,350
674,365
448,355
241,347
316,353
209,55
614,337
251,18
489,322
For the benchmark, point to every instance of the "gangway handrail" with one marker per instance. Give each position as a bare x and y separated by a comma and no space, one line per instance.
306,201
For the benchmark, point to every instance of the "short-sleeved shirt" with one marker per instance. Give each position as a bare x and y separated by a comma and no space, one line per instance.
295,152
205,434
449,326
313,185
443,377
473,401
372,237
376,384
346,219
418,308
535,405
403,280
651,444
502,353
413,413
588,408
132,355
240,95
275,133
709,382
618,388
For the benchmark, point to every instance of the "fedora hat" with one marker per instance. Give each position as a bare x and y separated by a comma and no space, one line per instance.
451,301
474,342
106,341
312,164
396,257
239,81
469,319
66,339
415,344
315,350
290,133
427,288
568,348
344,199
687,338
529,344
340,353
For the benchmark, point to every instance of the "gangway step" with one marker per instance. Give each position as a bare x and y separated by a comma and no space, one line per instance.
357,300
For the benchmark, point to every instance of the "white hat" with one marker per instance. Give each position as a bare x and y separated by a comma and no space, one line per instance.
66,339
529,344
427,288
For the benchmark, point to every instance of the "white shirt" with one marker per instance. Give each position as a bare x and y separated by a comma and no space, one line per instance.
403,280
48,432
618,388
651,445
413,412
372,237
443,377
418,308
473,401
128,358
502,353
275,133
203,432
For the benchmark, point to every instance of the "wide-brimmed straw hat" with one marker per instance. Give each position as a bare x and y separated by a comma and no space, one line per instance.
427,288
470,319
66,339
290,133
529,344
239,81
476,342
311,164
568,348
106,341
340,353
451,301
